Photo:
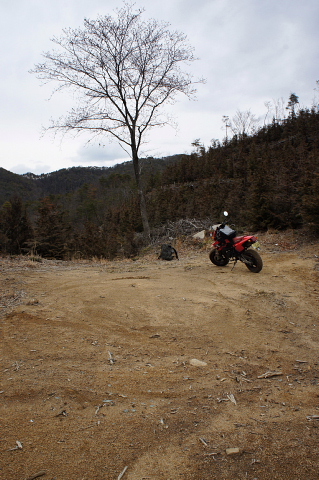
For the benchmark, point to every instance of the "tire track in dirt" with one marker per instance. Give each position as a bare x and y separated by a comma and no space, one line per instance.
96,370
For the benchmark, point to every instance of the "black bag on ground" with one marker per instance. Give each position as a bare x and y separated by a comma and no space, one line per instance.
167,252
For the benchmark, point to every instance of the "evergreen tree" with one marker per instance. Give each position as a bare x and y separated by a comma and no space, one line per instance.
293,101
52,231
15,227
310,205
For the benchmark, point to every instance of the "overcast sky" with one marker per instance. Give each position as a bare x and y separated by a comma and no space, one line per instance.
250,52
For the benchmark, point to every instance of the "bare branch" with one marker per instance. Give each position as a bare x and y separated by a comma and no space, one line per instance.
122,70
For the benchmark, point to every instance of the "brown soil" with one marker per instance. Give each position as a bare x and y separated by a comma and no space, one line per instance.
97,380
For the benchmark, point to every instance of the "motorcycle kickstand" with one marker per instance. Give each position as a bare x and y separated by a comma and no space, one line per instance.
234,265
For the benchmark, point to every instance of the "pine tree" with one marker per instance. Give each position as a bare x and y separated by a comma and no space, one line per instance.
52,231
15,227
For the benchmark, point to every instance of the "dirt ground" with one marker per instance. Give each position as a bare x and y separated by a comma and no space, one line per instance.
148,369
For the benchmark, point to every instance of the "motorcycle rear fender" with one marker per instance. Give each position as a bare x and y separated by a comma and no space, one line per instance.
241,241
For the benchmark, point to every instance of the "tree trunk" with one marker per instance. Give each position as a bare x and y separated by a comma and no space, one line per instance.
144,215
146,227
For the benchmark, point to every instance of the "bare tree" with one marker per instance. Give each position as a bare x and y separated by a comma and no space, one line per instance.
225,120
123,70
244,123
275,111
279,109
269,107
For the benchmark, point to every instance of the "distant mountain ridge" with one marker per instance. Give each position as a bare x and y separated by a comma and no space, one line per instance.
12,184
31,187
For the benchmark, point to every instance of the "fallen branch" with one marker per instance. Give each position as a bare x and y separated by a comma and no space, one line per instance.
122,473
19,446
203,441
36,475
270,374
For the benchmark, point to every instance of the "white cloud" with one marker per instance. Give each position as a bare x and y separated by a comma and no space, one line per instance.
250,51
100,155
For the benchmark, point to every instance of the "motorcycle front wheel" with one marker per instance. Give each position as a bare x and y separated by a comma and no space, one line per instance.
218,258
254,261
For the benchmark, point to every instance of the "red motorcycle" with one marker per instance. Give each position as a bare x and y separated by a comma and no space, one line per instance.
227,246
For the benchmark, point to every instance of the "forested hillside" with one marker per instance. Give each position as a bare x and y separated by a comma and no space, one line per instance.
270,179
266,180
33,187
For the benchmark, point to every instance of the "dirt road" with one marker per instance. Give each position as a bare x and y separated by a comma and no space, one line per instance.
161,370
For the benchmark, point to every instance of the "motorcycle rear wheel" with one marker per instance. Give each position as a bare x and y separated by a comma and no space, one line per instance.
256,263
218,258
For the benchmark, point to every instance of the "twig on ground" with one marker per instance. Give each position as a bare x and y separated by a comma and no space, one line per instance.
270,374
122,473
36,475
